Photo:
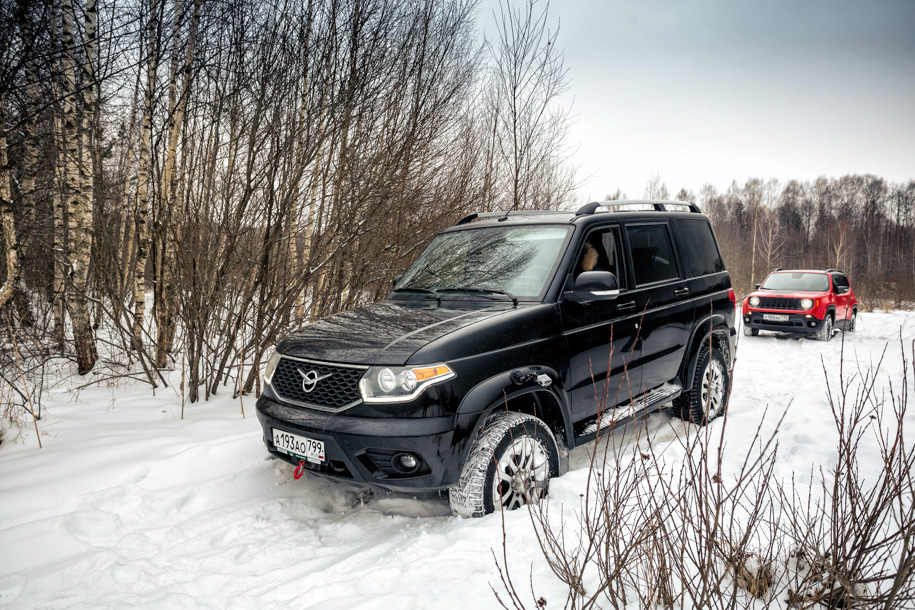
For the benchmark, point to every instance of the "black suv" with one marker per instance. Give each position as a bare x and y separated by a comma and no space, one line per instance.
513,338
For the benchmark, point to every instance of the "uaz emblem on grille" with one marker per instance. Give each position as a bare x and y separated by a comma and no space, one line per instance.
311,379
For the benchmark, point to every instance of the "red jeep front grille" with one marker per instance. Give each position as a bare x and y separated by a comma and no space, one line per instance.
779,303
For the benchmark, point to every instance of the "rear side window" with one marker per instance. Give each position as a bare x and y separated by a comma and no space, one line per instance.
652,253
701,249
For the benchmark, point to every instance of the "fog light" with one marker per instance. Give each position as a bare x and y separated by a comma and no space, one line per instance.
746,318
405,463
812,323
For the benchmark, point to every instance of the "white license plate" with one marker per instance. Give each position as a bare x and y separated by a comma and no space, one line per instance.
775,317
298,446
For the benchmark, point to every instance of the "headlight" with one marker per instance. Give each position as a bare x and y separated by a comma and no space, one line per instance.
754,301
271,366
400,384
806,303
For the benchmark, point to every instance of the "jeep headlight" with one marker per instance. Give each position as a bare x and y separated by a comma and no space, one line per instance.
806,303
400,384
271,366
754,301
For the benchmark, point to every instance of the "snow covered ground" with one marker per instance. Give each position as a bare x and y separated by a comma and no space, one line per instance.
126,505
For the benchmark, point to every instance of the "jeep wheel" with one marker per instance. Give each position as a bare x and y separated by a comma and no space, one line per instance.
510,464
850,323
750,332
708,396
825,332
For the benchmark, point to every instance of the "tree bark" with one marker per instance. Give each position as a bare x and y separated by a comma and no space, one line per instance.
13,266
79,244
143,179
165,310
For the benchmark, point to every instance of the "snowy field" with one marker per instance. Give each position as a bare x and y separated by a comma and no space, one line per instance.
126,505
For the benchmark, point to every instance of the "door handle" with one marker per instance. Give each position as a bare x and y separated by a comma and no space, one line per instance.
623,306
681,292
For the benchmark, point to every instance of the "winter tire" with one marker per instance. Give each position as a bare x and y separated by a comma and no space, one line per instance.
709,394
750,332
510,464
825,332
850,324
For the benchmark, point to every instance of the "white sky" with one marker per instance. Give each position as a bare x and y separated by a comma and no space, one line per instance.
703,91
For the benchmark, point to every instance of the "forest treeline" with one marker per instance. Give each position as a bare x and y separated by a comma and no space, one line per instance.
861,224
182,181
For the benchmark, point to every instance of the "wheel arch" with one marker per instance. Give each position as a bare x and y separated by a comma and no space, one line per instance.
500,393
712,328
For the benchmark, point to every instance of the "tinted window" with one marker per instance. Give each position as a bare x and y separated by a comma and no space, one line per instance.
652,253
600,252
701,249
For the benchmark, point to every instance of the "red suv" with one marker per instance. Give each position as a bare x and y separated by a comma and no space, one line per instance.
801,301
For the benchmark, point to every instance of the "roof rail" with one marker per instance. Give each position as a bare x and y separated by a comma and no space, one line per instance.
481,215
834,271
648,205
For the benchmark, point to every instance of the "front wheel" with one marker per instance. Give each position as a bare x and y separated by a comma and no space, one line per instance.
825,332
509,465
707,399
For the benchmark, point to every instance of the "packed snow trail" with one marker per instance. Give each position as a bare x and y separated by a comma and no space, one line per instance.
127,506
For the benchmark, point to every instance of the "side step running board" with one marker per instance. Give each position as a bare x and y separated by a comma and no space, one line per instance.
649,401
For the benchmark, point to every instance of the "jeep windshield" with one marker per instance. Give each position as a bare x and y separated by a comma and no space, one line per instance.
793,282
489,262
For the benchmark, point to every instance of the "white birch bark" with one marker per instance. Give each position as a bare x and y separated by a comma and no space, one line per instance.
143,179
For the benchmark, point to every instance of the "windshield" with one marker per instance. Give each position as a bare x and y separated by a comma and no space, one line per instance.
516,260
815,282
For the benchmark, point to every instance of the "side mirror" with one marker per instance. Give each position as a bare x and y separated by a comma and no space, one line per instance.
756,286
841,289
596,284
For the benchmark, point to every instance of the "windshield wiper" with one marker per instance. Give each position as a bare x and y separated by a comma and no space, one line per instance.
438,297
486,290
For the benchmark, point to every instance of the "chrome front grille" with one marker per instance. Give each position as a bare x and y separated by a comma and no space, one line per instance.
333,387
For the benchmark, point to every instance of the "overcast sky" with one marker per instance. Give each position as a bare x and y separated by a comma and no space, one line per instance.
715,91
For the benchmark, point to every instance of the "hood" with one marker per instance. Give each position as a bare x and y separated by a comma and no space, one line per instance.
787,294
388,332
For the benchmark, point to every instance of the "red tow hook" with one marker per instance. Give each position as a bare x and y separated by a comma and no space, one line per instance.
299,470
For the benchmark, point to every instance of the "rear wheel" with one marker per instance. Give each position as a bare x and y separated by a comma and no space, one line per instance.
707,399
850,323
509,465
825,332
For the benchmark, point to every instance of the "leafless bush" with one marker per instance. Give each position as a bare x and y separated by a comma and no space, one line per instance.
674,517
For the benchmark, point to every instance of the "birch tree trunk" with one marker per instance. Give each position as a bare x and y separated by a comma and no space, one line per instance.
59,184
143,179
165,310
13,267
79,244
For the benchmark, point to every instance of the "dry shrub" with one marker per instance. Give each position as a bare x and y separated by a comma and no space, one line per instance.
693,523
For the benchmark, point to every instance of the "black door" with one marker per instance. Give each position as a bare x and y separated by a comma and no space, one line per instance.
600,333
662,293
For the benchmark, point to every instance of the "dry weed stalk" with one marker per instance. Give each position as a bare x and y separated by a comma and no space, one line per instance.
689,522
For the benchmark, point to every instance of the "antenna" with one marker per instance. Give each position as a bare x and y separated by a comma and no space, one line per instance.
510,210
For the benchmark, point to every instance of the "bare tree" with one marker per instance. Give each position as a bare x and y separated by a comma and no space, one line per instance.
529,127
655,188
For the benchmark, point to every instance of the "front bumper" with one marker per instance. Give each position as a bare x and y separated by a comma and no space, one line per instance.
796,322
362,450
